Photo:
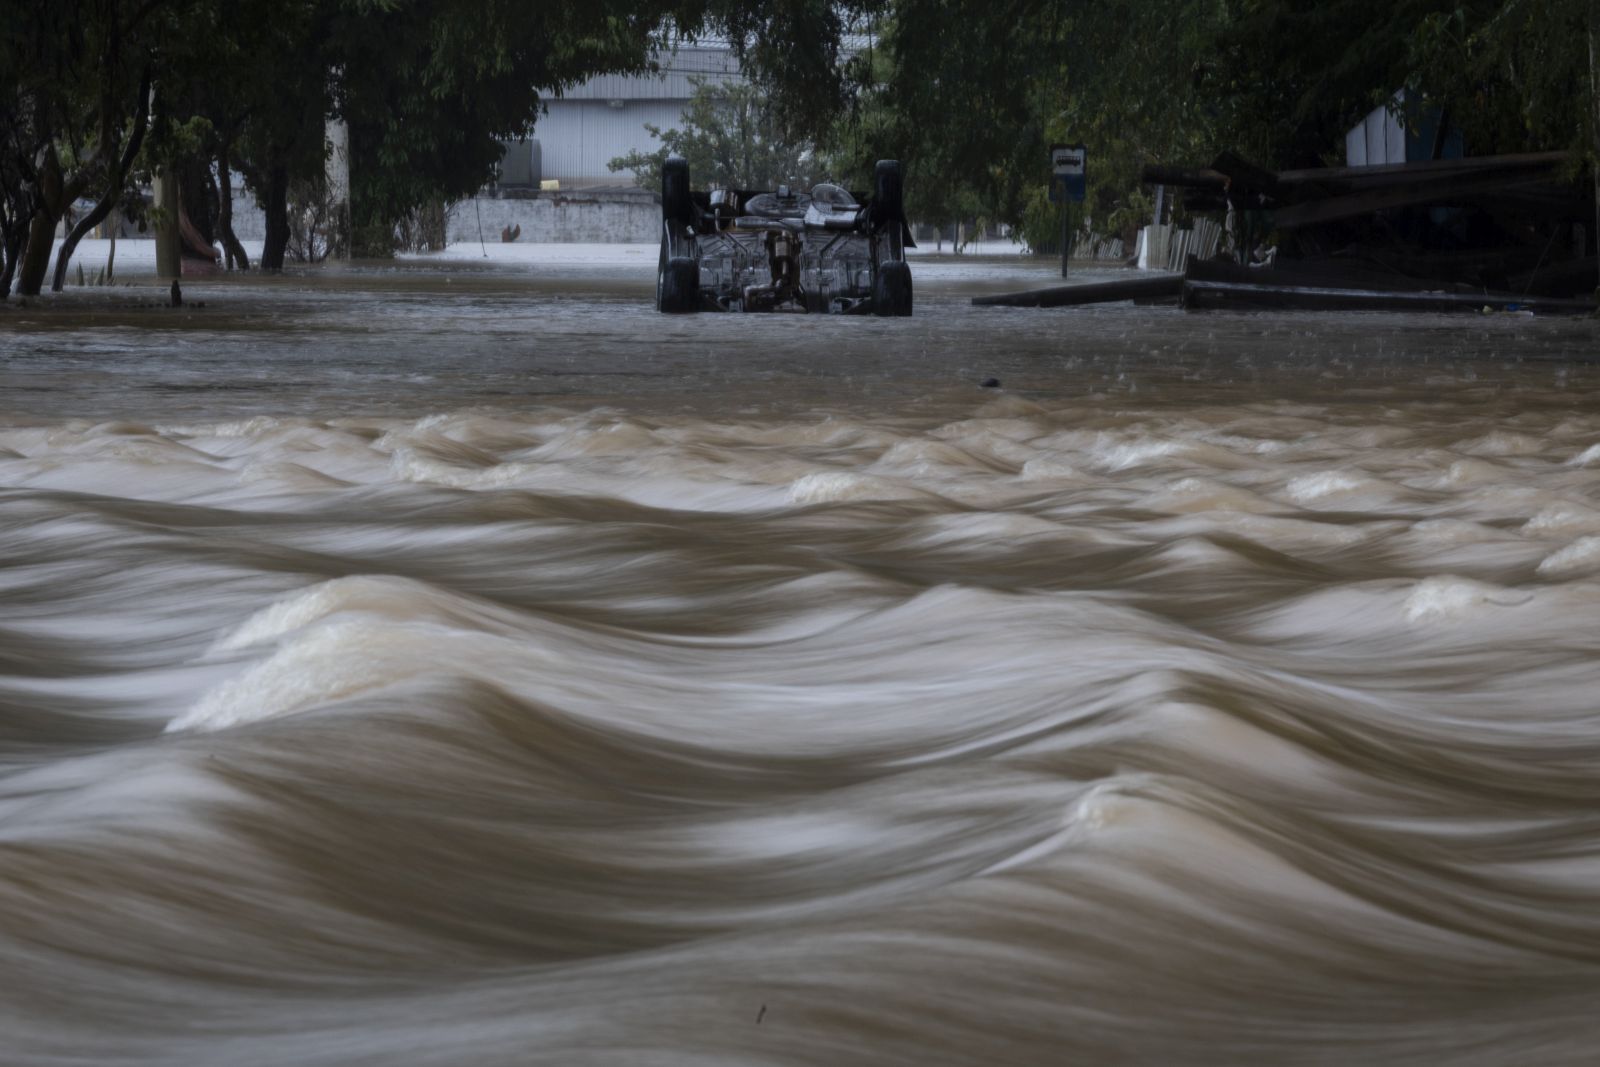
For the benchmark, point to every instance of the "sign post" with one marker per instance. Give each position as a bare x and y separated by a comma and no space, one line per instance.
1068,185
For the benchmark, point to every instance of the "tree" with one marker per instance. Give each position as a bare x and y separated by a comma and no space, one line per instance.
77,77
970,95
427,87
732,138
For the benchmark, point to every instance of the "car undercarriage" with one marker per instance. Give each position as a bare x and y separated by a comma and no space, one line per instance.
827,250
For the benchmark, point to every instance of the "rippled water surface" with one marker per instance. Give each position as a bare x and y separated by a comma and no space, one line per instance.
462,664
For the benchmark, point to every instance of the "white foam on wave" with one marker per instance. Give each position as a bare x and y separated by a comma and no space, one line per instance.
828,487
1580,557
1204,494
983,530
1446,596
1051,465
1563,519
410,465
1587,458
254,426
1122,455
1503,443
1096,810
1474,472
381,594
1313,487
337,658
922,456
326,662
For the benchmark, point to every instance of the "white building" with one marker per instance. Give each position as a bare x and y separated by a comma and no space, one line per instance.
591,124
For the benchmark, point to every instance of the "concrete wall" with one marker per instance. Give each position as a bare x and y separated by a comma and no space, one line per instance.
599,217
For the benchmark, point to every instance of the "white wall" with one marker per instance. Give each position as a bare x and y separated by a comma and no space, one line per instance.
559,218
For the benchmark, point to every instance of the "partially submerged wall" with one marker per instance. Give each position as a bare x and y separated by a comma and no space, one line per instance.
600,216
594,216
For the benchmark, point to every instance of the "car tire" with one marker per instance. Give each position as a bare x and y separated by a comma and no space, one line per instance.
678,286
888,196
676,204
891,289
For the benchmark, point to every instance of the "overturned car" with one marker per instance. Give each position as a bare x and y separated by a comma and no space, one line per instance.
827,250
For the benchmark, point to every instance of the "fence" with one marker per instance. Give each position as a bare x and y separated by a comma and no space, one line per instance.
1169,248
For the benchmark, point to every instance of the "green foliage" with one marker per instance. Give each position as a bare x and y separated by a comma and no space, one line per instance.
430,88
1513,73
75,79
732,136
971,95
968,95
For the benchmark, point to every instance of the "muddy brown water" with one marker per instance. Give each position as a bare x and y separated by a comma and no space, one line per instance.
445,664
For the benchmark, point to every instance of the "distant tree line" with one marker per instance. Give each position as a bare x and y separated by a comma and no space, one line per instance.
98,95
969,95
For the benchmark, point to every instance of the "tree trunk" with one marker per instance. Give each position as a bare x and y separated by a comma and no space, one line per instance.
15,240
76,234
276,206
431,226
36,258
114,183
1594,107
230,242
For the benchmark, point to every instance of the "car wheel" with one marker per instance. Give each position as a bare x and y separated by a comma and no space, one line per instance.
678,286
888,199
891,289
675,202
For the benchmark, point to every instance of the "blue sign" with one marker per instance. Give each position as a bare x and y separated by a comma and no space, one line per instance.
1068,177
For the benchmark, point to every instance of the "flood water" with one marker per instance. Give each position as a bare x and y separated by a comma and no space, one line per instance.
459,663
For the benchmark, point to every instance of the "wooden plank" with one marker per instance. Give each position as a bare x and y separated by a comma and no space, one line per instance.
1144,288
1206,295
1246,179
1426,168
1183,177
1312,273
1437,191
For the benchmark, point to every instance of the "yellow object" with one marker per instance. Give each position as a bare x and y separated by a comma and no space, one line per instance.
550,185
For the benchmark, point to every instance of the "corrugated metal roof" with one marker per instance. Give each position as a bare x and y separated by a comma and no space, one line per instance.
672,83
591,124
579,137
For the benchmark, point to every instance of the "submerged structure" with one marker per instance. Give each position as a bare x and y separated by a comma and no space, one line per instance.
827,250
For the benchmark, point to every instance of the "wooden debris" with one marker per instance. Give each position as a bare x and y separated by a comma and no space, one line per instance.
1140,288
1323,285
1441,233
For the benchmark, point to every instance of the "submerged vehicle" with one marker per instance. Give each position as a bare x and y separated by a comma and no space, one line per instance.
827,250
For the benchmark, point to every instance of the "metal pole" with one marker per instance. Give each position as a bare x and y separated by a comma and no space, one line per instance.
1066,210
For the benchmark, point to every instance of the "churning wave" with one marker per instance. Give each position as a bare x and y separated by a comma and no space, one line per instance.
1256,734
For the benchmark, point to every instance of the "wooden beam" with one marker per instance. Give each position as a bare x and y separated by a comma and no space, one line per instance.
1434,191
1388,171
1183,177
1165,285
1244,177
1204,295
